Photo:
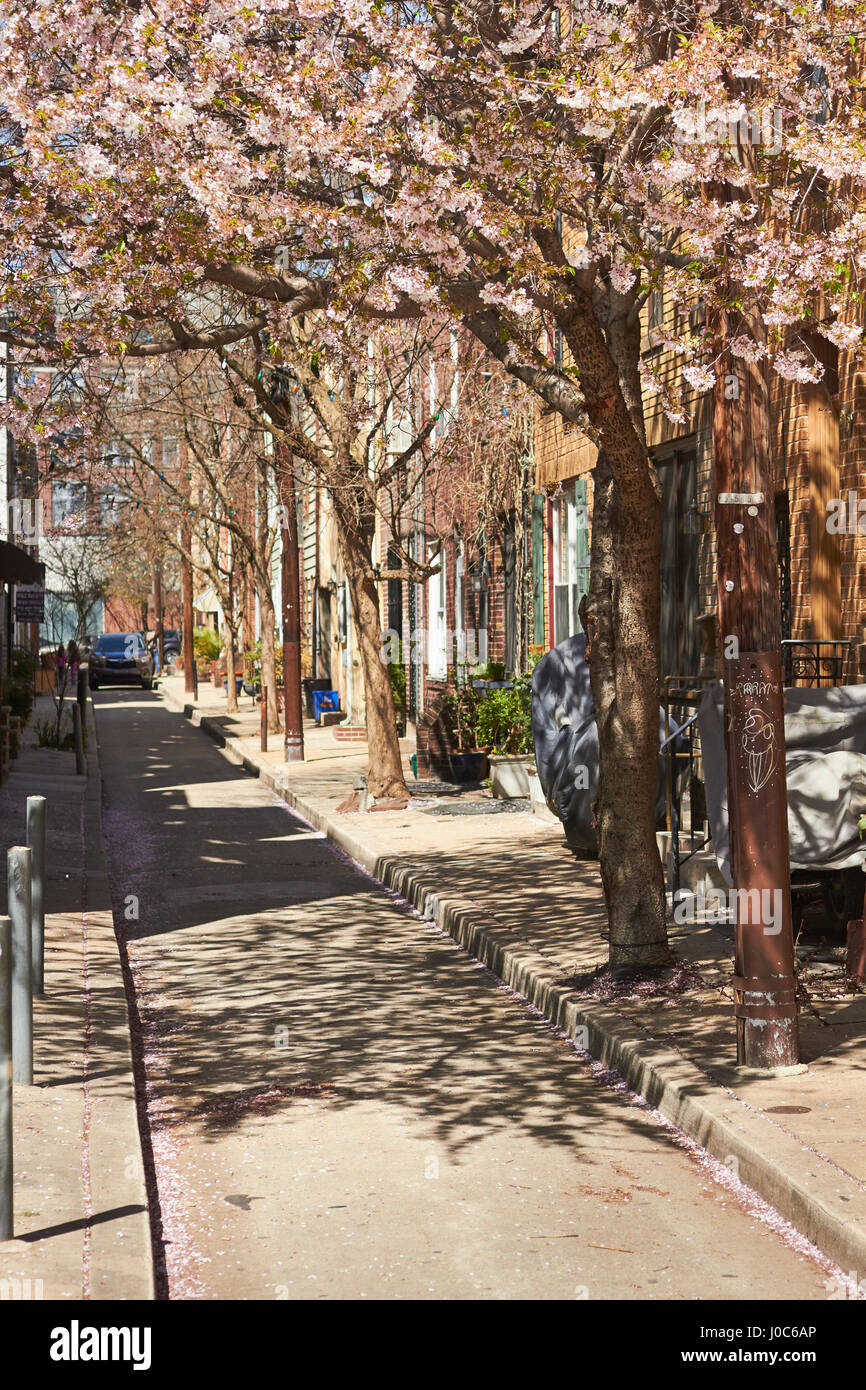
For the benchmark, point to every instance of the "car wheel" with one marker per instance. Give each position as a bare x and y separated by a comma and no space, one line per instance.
146,684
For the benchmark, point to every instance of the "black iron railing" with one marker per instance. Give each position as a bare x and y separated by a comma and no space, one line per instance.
815,663
685,800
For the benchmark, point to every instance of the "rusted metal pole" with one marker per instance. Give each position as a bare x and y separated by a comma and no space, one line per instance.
264,714
291,615
189,681
750,637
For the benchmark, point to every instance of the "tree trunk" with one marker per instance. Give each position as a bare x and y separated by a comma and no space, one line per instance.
623,613
264,593
622,632
269,662
231,646
385,776
157,604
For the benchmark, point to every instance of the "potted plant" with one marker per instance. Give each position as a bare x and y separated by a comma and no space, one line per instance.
489,676
253,669
504,722
397,675
206,646
459,712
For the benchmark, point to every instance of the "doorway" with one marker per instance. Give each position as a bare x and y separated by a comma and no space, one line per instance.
680,597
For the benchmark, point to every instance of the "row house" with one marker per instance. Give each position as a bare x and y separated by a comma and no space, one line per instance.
467,601
820,503
20,567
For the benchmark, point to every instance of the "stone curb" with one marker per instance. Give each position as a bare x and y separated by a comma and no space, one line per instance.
824,1203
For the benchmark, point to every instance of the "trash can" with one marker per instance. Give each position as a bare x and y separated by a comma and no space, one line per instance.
324,699
310,685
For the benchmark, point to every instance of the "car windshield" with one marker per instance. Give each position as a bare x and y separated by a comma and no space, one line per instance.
119,642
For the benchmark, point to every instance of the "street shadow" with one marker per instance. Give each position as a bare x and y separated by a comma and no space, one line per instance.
273,975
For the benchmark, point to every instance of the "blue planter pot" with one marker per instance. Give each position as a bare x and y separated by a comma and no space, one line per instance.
471,766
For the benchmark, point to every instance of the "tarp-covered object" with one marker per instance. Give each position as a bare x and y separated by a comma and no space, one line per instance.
825,758
565,735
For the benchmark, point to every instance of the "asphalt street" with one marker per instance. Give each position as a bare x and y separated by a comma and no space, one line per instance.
339,1102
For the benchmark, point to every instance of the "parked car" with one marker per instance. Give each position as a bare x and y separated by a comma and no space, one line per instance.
170,640
121,658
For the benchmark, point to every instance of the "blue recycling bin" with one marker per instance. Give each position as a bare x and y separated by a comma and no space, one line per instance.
324,699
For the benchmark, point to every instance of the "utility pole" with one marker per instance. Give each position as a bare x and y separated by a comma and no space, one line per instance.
157,603
750,636
291,615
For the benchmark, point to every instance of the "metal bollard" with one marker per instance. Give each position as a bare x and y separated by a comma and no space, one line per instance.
79,741
18,887
264,713
36,810
81,690
6,1231
195,680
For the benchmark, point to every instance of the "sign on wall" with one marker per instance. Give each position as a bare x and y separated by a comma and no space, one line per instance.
29,603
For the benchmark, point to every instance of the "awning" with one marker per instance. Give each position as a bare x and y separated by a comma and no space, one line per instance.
17,567
206,602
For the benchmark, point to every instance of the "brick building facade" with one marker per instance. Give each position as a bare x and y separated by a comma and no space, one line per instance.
820,474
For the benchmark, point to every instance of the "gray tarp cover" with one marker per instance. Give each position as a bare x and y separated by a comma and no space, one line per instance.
825,757
565,735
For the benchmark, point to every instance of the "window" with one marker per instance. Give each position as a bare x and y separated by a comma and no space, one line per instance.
657,307
68,502
67,386
459,605
115,455
111,505
169,451
570,558
558,352
437,653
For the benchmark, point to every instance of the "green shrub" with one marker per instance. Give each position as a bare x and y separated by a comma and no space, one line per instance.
206,644
458,711
397,675
23,667
19,697
490,671
47,735
503,722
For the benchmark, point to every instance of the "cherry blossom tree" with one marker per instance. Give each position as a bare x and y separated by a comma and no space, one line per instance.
383,421
513,165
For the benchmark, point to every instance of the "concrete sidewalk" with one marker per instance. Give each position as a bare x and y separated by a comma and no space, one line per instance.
505,885
80,1209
